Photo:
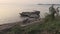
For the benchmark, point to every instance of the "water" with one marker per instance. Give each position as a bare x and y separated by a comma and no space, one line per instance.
10,13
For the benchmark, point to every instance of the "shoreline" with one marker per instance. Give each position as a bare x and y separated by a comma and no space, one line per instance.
7,25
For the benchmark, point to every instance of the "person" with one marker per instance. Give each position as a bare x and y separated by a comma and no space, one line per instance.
57,11
52,11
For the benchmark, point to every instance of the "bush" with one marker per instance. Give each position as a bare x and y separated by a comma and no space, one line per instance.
15,30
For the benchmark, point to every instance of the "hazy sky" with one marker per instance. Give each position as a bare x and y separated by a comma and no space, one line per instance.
28,1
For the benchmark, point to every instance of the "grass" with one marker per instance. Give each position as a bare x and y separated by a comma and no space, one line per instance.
49,27
15,30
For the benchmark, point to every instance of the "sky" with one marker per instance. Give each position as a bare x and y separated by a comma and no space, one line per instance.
29,1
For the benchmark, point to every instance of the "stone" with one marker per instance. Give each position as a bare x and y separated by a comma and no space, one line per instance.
34,14
28,20
25,14
25,20
29,17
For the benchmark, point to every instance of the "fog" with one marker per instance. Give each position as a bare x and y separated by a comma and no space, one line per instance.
28,1
9,9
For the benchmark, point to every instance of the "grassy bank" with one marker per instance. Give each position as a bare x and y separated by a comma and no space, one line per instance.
48,27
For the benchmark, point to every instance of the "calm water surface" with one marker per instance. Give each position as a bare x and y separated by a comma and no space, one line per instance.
10,13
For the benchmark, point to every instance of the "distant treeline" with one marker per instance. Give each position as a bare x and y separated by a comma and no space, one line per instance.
48,4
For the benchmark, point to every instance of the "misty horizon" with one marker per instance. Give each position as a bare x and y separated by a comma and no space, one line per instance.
10,9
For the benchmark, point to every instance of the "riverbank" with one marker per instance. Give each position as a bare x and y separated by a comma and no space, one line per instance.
8,26
40,26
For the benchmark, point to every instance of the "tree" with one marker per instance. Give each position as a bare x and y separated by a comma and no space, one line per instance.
52,11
